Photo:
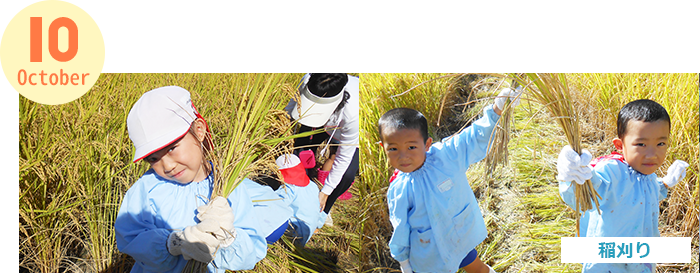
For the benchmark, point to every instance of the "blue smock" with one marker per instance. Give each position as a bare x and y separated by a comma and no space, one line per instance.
629,207
270,207
435,215
306,211
154,207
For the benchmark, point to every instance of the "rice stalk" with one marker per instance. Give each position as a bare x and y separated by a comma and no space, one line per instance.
256,135
552,92
244,144
498,149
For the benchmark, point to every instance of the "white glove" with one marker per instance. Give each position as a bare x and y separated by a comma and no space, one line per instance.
195,242
573,167
508,93
219,211
406,266
675,173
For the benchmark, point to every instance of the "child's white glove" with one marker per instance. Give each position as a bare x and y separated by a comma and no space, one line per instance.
406,266
195,242
573,167
675,173
219,211
508,93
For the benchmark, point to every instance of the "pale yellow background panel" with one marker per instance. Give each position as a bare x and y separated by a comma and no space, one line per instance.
15,52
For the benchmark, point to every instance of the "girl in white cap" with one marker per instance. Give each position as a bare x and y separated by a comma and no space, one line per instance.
331,100
166,217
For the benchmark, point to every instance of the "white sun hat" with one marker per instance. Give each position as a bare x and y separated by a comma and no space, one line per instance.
160,117
314,110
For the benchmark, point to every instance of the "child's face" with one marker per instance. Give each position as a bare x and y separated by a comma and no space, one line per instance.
405,149
181,161
644,145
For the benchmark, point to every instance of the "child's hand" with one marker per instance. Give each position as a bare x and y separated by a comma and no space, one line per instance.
507,93
572,167
675,173
406,267
195,242
219,210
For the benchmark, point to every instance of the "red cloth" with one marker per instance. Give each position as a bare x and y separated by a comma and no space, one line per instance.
295,175
613,156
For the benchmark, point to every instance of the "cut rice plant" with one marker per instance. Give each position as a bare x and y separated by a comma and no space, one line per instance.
552,91
256,132
498,149
254,138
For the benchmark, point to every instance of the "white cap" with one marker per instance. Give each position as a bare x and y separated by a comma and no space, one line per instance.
287,161
158,118
315,111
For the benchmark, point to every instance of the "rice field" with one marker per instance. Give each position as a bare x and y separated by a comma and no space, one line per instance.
74,165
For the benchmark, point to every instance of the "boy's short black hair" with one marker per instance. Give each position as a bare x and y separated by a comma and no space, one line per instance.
642,110
403,118
329,85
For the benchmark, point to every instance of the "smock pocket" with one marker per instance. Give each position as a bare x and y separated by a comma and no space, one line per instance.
423,253
462,225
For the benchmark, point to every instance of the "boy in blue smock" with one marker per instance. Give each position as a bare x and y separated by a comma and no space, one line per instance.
166,217
436,217
625,180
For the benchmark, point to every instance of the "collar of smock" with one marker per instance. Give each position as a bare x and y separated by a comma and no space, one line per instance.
637,176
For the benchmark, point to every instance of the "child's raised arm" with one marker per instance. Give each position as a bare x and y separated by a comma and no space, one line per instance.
470,145
572,167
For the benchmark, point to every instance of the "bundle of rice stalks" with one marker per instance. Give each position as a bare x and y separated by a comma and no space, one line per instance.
498,150
552,92
254,137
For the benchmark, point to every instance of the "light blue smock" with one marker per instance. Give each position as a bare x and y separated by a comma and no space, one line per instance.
270,207
306,211
435,215
629,207
154,207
